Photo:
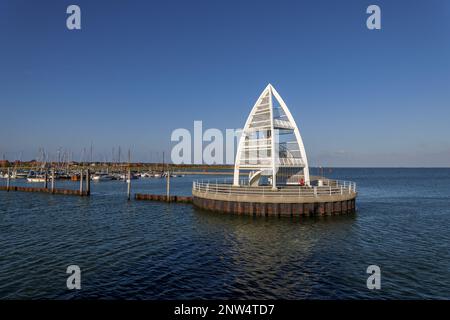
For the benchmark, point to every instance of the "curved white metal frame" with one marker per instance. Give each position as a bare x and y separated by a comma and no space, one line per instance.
272,93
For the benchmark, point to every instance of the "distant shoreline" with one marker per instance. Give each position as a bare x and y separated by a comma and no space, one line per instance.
201,168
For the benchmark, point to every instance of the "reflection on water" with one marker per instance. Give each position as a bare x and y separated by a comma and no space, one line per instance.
272,255
148,250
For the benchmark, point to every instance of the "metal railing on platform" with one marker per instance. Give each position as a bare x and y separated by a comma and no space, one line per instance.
328,188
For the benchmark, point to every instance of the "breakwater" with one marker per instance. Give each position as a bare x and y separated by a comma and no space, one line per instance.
46,190
163,198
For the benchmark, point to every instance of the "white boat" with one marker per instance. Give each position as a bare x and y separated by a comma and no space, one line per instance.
102,177
35,179
124,177
132,177
12,175
21,175
146,175
166,174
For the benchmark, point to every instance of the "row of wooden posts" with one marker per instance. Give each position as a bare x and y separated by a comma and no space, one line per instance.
86,178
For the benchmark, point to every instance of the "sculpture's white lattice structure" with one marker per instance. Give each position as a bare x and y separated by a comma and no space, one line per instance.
270,146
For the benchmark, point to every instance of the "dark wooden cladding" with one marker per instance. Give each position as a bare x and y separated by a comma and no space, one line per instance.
162,198
276,209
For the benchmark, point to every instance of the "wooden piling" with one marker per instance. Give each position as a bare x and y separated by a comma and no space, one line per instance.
53,180
46,180
168,187
81,181
88,182
8,180
129,185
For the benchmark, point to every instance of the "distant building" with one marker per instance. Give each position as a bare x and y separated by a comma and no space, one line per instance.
4,163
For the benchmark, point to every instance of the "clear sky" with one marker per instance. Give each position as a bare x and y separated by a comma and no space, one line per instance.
140,69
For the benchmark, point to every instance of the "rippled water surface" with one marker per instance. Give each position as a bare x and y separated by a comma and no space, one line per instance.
148,250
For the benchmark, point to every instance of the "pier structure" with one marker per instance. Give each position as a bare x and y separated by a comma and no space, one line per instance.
46,190
325,197
272,154
84,190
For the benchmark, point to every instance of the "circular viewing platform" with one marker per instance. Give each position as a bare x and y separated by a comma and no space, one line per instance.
323,197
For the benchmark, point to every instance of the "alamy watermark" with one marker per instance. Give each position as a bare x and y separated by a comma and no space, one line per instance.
74,280
213,146
73,21
374,280
374,20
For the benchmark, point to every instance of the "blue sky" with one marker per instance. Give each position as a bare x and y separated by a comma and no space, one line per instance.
139,69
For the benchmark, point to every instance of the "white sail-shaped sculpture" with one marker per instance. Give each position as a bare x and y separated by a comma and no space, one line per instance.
270,145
